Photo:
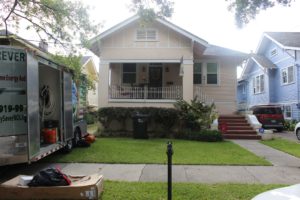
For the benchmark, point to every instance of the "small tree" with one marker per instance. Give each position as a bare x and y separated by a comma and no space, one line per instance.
195,115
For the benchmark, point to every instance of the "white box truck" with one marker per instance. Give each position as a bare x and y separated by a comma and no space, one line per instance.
37,115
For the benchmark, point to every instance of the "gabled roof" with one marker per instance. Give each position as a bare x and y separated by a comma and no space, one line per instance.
286,40
262,61
89,66
85,59
213,50
21,40
159,20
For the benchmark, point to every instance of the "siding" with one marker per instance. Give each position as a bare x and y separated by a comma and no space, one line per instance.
123,45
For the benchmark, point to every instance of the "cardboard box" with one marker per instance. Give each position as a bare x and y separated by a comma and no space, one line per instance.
82,187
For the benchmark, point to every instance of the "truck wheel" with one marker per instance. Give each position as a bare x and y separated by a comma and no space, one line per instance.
77,137
68,148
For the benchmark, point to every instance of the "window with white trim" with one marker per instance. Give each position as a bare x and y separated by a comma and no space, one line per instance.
287,75
258,84
197,73
287,111
212,73
129,73
146,34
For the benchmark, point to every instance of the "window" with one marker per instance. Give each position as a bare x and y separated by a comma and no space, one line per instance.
287,111
273,52
258,84
198,73
287,75
212,73
243,89
129,73
146,34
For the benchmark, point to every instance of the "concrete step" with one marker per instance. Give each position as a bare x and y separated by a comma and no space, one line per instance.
239,136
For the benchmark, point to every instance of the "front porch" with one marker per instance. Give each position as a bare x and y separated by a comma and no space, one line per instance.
145,81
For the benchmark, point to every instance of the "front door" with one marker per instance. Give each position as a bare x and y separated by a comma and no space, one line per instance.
155,82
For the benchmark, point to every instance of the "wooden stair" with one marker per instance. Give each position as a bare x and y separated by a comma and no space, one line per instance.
237,127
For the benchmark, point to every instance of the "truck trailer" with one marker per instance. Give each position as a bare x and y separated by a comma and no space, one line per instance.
38,107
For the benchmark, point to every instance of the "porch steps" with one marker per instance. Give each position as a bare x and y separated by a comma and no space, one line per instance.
237,127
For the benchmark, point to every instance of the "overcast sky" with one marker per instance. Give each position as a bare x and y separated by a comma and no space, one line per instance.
208,19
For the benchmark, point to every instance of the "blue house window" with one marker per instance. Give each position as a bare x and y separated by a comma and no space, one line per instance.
287,75
258,84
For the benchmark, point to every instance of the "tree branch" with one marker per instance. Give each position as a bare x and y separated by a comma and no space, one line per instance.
11,11
42,28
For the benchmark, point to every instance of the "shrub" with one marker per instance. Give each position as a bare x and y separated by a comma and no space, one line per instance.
289,125
90,118
166,117
204,135
195,115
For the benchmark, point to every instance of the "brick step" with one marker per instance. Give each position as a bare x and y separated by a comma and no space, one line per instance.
237,124
246,127
231,117
241,132
238,136
232,120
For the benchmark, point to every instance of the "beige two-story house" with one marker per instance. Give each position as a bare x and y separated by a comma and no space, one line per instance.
159,63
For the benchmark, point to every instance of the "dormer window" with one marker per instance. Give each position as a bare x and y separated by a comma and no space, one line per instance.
273,52
146,34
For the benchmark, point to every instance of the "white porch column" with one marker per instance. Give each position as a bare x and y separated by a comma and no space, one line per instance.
187,80
103,84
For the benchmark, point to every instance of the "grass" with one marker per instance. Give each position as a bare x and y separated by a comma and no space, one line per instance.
125,150
284,145
188,191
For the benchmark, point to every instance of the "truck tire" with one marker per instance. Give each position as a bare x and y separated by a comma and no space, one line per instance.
77,137
68,148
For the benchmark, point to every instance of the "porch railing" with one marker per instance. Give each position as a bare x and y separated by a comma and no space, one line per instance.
201,96
145,92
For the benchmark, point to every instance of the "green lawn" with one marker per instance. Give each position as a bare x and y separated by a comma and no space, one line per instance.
187,191
284,145
125,150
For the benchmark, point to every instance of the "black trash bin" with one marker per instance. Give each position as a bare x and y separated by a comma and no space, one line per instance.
140,122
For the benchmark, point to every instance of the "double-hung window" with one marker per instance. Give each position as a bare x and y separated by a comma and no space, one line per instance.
206,73
198,73
287,75
212,73
258,84
129,73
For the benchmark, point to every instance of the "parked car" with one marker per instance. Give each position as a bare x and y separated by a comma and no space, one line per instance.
270,116
297,130
286,193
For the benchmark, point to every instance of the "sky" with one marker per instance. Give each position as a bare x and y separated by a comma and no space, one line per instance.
208,19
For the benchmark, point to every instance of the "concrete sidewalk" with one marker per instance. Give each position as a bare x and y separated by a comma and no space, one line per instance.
285,170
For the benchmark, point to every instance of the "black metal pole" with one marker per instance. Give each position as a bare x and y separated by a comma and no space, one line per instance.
169,153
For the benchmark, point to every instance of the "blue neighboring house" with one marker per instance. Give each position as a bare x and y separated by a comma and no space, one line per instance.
271,75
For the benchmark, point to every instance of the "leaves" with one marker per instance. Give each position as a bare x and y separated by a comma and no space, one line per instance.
54,18
246,10
74,62
150,9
